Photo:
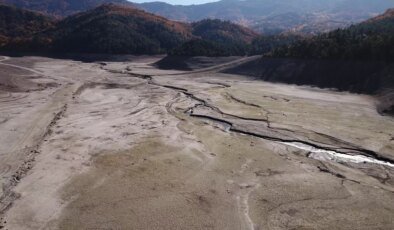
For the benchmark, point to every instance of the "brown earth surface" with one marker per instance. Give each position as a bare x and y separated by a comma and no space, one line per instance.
124,145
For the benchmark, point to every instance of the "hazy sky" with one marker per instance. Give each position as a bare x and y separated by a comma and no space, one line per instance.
177,2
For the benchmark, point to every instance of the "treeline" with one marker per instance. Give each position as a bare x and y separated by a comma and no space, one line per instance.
200,47
223,38
215,37
266,44
209,48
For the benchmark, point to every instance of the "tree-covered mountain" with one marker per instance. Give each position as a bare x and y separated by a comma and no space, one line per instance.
222,38
269,17
119,29
19,24
116,29
273,16
223,31
370,40
217,38
61,8
253,9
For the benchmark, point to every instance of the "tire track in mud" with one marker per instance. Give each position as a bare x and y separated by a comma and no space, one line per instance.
32,70
216,68
11,98
243,205
9,195
40,128
19,67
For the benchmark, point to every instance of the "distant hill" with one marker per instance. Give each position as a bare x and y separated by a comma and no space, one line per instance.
265,16
17,23
119,29
370,40
273,17
60,8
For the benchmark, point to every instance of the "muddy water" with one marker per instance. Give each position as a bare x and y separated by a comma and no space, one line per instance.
327,155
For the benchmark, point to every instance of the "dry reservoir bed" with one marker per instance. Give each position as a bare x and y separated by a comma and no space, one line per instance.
123,145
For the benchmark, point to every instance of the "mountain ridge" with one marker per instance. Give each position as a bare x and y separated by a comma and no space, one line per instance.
265,16
112,28
119,29
61,8
312,16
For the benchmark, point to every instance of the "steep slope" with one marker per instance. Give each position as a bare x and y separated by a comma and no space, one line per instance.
17,23
114,29
60,8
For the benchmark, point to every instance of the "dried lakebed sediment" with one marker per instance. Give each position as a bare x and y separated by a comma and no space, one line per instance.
123,145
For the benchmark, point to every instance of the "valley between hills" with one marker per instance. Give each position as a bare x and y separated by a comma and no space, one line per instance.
122,144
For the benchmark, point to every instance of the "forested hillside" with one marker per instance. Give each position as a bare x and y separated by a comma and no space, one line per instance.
223,31
217,38
110,29
118,29
60,8
370,40
18,24
268,17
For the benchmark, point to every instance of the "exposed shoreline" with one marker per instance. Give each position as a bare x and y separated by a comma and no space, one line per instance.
126,145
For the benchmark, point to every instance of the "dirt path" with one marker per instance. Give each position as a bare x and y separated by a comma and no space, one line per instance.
216,68
26,131
17,66
32,70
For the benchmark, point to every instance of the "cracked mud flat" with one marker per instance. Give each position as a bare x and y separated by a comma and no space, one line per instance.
123,145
